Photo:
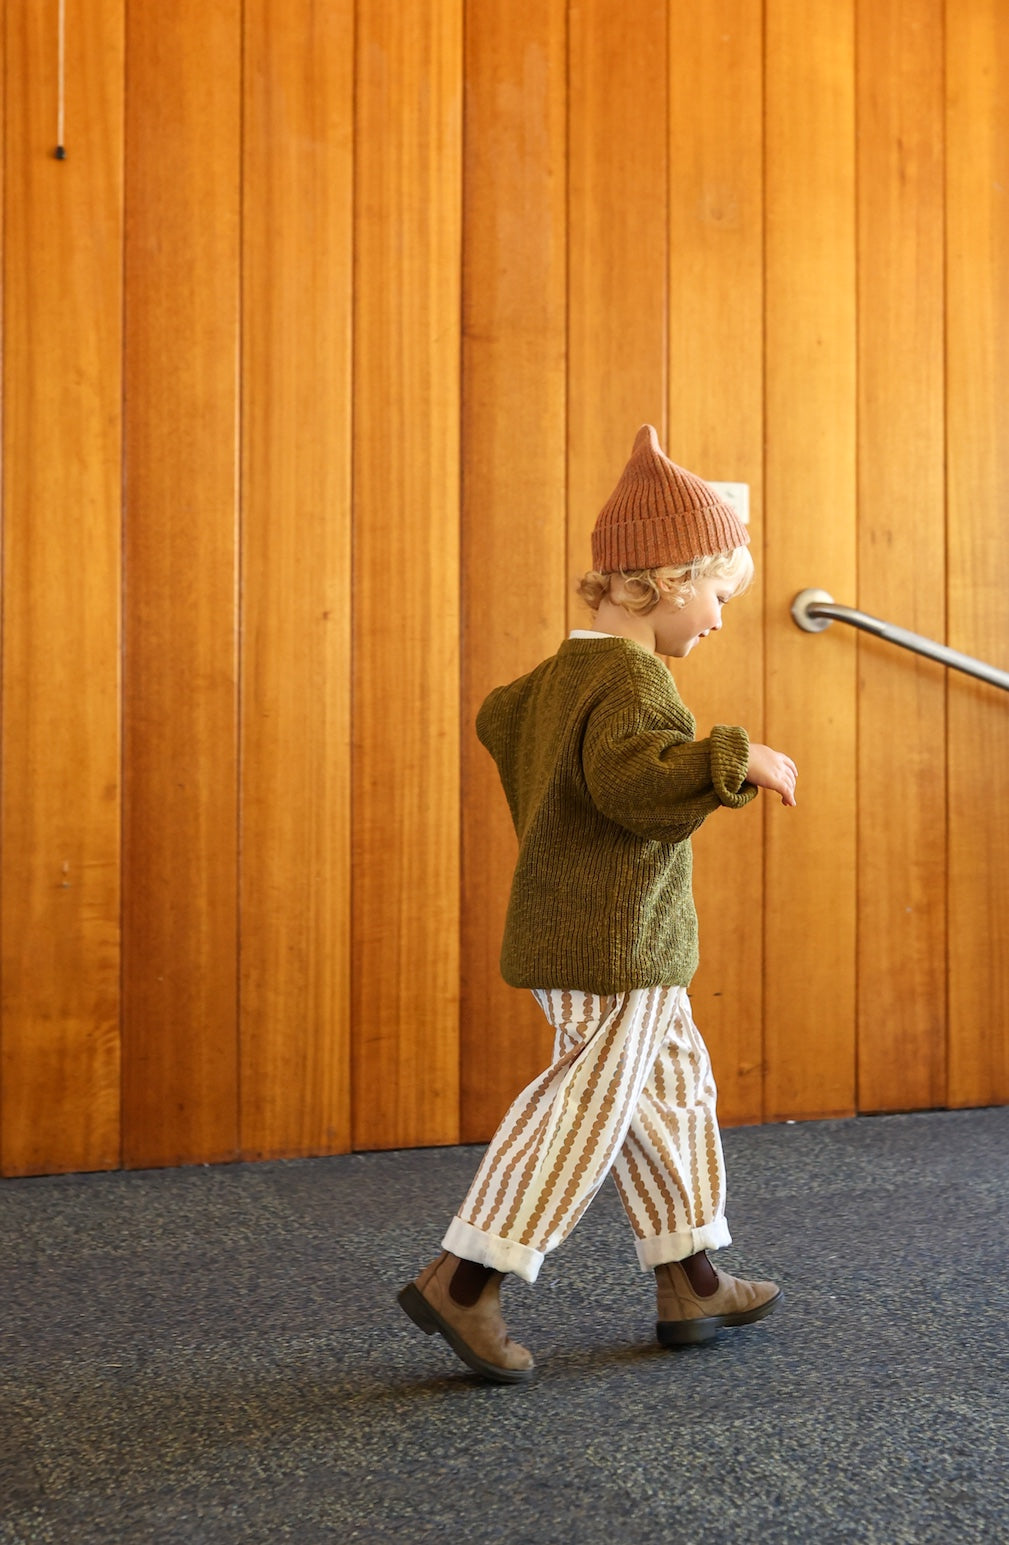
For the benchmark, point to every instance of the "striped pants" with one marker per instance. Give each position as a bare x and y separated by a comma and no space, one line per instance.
631,1090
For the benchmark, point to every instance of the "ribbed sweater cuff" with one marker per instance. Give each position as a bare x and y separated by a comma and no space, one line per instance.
730,757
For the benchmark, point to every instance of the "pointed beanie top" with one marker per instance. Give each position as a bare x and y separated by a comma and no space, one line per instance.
659,514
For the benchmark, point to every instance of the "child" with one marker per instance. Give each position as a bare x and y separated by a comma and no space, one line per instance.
605,783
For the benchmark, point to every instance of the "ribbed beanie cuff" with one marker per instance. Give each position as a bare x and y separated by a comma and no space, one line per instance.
660,514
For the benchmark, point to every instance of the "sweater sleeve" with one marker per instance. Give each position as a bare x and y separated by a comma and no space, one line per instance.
656,780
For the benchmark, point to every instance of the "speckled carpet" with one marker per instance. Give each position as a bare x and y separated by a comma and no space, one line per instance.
216,1355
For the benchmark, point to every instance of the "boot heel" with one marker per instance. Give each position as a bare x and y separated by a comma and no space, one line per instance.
413,1303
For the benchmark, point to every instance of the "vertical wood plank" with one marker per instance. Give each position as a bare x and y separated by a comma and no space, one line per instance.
716,428
901,552
618,215
3,464
810,539
977,203
295,832
406,574
180,873
62,384
514,580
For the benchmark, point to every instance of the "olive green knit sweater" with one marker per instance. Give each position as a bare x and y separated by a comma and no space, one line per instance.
605,783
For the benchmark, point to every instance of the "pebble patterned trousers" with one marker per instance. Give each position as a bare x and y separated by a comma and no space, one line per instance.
630,1089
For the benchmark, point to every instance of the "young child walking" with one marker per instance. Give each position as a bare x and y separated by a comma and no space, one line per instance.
606,783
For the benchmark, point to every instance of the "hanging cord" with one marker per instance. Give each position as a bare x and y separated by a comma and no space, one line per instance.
61,71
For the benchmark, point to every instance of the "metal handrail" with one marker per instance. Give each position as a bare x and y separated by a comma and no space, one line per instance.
814,610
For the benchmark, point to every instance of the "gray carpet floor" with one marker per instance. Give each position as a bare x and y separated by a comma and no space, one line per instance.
216,1355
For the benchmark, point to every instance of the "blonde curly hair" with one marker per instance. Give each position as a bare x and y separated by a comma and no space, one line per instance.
644,589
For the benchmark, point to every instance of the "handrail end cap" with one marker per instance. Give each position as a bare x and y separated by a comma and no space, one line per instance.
800,610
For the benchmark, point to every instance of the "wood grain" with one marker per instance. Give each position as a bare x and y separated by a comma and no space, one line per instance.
618,160
61,516
514,579
716,429
180,705
406,574
977,237
267,546
810,539
296,528
901,553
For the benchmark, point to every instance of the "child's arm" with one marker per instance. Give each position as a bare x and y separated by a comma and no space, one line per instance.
660,783
645,771
772,770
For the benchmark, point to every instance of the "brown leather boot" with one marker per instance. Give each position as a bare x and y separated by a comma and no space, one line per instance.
686,1316
475,1332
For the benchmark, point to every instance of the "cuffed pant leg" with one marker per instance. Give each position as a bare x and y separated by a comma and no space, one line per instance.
670,1171
559,1138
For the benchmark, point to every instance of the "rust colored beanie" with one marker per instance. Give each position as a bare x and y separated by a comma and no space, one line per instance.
659,514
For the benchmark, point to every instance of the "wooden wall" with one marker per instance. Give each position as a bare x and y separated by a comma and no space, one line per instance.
321,350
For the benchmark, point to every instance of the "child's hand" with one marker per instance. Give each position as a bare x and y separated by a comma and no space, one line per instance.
772,770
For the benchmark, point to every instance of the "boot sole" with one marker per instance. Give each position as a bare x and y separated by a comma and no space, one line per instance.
679,1333
413,1303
